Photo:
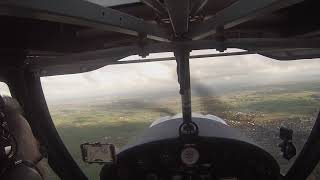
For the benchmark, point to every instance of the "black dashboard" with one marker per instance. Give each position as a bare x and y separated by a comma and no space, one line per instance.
205,159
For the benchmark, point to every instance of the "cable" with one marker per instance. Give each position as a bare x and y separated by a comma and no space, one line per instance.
10,140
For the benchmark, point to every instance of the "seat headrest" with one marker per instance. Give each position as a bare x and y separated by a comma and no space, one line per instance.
9,105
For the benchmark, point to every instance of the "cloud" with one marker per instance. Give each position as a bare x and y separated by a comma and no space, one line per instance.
115,79
216,72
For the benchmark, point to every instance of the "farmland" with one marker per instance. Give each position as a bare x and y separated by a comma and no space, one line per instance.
258,112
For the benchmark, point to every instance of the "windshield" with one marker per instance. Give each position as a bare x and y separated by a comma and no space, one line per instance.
254,94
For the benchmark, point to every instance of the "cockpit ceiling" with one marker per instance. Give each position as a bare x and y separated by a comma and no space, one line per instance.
47,36
109,3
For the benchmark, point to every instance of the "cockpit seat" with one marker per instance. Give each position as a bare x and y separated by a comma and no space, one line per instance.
23,166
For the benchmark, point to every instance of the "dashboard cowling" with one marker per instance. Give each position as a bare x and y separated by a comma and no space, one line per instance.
223,153
169,129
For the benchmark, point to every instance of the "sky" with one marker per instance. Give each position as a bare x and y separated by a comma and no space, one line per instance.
217,74
159,77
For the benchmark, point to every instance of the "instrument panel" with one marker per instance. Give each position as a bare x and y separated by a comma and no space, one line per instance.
204,159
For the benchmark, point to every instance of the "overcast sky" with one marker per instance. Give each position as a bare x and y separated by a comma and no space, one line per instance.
159,77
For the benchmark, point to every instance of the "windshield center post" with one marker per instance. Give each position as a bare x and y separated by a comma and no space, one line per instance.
183,71
188,128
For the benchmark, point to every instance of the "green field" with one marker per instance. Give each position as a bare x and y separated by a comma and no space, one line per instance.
257,111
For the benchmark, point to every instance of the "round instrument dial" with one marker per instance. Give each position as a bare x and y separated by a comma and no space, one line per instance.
190,156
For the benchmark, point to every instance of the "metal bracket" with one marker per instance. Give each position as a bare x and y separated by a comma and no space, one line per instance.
141,44
287,147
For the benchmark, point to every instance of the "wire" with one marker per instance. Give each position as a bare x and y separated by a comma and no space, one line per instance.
13,151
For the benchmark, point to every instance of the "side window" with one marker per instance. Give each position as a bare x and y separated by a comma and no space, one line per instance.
4,89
